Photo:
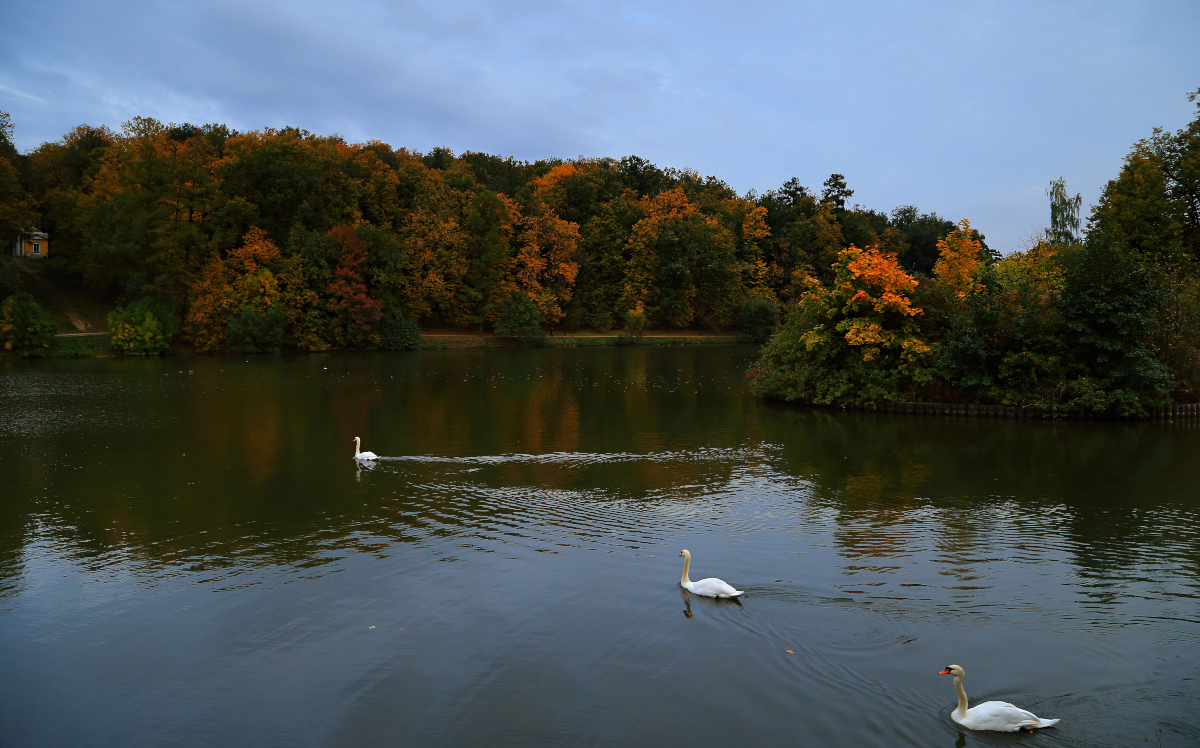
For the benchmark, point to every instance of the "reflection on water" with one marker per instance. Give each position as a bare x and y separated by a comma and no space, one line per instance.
199,544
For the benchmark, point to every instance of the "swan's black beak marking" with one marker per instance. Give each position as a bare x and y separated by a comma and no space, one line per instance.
946,671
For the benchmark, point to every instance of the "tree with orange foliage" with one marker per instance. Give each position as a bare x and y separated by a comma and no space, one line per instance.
545,263
682,264
244,279
957,267
961,311
854,342
551,188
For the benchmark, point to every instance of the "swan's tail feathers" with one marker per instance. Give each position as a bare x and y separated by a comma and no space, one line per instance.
1037,723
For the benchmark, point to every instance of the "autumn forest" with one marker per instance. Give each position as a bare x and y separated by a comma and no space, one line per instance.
281,239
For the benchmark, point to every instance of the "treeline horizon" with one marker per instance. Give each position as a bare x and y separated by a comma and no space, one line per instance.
281,238
150,208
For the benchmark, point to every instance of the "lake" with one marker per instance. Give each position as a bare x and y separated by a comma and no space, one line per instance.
190,556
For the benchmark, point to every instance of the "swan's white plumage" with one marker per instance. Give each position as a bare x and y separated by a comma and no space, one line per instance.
1000,716
997,716
363,455
710,587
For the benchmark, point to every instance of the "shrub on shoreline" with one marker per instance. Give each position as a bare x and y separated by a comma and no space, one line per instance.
144,328
399,334
25,328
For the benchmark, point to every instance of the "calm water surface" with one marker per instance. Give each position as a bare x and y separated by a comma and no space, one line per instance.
189,556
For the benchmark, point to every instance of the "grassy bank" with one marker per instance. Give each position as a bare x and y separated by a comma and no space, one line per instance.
72,346
90,345
444,341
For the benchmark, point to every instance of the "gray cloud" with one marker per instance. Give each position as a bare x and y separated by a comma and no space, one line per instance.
966,109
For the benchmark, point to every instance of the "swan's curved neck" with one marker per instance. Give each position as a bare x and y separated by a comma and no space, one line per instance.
687,562
357,445
962,696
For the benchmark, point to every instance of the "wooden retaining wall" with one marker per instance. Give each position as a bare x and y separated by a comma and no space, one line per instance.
1170,412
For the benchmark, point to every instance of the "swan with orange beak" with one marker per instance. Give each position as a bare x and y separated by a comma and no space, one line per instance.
998,716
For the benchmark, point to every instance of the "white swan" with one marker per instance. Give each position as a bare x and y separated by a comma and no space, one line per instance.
999,716
363,455
711,587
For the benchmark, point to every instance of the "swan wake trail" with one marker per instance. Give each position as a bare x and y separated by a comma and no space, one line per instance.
569,459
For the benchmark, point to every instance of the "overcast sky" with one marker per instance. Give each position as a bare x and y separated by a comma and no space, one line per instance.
965,108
